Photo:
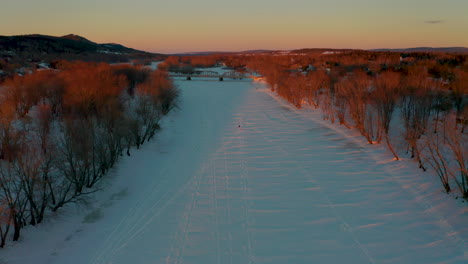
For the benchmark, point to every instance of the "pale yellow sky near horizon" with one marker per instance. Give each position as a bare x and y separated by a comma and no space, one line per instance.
204,25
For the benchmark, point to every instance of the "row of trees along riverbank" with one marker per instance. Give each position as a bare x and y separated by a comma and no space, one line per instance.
414,103
62,130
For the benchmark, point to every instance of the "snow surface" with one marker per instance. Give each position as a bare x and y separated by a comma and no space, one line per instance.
239,176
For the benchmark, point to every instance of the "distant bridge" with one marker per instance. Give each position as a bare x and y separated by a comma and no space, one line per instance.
234,75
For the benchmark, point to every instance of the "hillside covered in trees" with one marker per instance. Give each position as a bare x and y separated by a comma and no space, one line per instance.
19,53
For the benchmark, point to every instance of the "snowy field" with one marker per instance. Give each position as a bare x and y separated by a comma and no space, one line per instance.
238,176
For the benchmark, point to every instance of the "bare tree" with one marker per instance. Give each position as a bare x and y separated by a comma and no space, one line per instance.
416,107
341,99
74,162
316,82
433,155
13,198
134,76
32,169
385,95
457,142
459,93
5,221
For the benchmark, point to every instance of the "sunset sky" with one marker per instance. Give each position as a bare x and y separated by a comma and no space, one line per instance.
207,25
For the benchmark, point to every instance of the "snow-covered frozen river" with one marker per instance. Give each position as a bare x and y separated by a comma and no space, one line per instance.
237,176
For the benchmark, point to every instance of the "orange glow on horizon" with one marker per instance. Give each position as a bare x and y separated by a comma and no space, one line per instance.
207,25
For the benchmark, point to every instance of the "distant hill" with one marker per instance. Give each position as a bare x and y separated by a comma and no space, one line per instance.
324,51
205,53
257,51
77,38
70,47
199,53
428,49
320,50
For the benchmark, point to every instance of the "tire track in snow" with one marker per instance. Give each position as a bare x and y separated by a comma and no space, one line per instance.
151,217
228,204
152,209
114,237
217,217
154,205
214,201
245,190
182,236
